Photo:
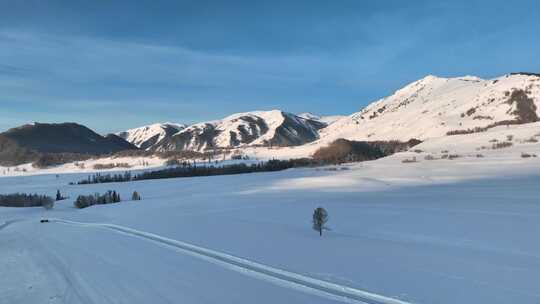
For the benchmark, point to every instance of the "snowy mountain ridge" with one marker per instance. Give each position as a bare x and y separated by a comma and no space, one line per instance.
253,128
257,128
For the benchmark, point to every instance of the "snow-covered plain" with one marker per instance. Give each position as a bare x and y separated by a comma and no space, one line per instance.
87,166
458,230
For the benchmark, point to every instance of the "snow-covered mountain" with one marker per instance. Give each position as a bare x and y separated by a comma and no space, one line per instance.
435,106
258,128
430,107
147,136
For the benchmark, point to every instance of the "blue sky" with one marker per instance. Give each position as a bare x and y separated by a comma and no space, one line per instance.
113,66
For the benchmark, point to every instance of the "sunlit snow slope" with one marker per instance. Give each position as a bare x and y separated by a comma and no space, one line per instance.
434,106
147,136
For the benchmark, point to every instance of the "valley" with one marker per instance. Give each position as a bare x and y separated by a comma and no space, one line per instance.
449,219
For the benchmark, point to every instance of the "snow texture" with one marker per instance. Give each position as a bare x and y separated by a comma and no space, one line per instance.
456,230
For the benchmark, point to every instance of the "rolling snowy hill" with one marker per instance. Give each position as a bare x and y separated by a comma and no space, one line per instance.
435,106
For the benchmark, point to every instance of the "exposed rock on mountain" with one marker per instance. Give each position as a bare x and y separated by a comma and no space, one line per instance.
261,128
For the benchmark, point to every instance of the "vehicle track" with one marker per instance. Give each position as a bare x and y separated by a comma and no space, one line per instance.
7,223
264,272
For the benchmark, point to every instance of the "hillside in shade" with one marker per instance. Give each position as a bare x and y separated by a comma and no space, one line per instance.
29,142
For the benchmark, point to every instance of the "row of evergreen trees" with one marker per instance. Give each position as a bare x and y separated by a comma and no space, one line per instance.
241,168
25,200
99,178
82,201
29,200
188,170
108,197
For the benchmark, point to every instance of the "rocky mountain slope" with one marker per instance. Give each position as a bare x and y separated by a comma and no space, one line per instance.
259,128
435,106
146,137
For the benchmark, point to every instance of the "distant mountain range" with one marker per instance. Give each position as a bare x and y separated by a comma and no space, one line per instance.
258,128
427,108
261,128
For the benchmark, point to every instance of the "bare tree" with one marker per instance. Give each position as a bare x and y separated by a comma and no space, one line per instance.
320,217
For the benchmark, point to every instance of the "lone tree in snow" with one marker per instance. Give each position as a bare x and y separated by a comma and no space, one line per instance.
59,196
135,196
320,217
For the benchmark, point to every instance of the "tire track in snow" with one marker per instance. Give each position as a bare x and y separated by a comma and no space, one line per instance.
260,271
75,290
7,223
49,263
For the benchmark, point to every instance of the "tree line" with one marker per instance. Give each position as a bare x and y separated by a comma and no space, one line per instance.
190,170
108,197
99,178
346,151
25,200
